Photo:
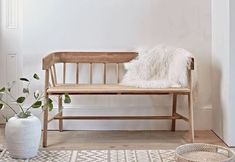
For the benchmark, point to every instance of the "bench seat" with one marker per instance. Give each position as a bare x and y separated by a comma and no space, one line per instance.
111,89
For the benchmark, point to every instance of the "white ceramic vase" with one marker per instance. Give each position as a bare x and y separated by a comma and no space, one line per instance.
23,136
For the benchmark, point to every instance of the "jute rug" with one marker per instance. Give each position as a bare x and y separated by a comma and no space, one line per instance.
96,156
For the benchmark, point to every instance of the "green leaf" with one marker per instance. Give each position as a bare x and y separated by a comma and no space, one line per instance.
10,85
50,106
36,94
67,99
35,76
13,83
20,99
24,79
49,100
23,115
1,106
25,90
37,104
2,89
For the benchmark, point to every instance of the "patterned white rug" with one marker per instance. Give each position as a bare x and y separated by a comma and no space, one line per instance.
96,156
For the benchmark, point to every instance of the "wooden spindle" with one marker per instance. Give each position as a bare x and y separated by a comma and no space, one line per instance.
55,76
104,73
64,72
60,108
77,74
90,73
52,77
117,68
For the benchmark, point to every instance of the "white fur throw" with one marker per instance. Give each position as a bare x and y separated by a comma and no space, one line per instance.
160,67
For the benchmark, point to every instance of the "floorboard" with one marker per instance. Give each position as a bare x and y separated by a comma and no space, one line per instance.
122,139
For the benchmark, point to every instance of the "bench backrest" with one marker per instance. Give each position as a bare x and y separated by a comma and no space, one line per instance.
88,58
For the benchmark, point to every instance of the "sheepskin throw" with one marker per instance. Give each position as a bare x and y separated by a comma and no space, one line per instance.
160,67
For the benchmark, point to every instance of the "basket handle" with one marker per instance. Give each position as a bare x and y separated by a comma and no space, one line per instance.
223,151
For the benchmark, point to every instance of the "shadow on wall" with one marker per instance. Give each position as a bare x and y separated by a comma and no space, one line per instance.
218,100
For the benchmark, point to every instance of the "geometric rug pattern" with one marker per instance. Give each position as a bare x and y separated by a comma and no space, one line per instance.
97,156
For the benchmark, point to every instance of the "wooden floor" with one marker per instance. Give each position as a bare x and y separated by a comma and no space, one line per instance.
122,139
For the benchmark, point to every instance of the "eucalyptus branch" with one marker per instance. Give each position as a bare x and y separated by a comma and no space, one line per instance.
38,99
28,94
8,106
14,99
10,95
3,116
28,84
21,108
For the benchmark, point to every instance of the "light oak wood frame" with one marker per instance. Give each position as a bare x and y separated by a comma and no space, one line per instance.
105,58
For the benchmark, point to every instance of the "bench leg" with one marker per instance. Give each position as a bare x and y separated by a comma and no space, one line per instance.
45,126
174,106
60,109
191,120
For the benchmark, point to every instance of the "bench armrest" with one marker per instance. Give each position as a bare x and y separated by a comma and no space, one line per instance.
47,61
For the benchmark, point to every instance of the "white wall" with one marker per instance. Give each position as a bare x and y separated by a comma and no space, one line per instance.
122,25
231,140
223,37
1,55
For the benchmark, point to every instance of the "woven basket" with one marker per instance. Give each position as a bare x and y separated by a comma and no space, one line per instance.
200,152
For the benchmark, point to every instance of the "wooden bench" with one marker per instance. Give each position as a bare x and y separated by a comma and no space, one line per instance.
52,87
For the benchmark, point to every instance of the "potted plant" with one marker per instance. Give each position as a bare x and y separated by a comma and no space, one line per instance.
23,130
